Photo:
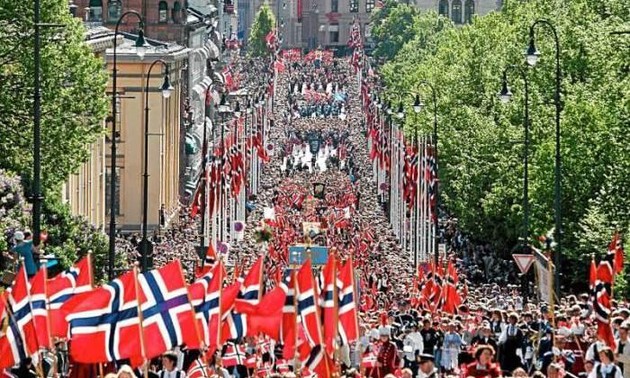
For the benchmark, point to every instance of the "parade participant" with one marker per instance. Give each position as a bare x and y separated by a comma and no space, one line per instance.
451,348
387,359
484,337
606,367
623,350
429,336
427,366
125,371
483,366
511,342
169,366
413,346
592,353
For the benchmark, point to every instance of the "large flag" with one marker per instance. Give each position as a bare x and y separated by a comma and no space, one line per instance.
39,305
104,324
265,317
348,319
289,315
307,304
601,303
204,296
11,343
76,280
168,319
20,307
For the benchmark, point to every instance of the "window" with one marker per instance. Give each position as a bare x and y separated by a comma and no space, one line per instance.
114,10
96,10
469,10
163,12
334,6
443,8
333,30
177,12
369,5
456,14
354,6
108,202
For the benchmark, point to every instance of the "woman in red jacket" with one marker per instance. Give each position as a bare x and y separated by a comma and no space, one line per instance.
483,367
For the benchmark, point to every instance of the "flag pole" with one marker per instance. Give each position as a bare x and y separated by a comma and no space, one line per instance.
48,324
296,358
335,298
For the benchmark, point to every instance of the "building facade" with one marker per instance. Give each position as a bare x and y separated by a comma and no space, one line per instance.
164,135
328,22
84,191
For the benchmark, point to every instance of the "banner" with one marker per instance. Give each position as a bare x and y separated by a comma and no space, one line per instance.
544,274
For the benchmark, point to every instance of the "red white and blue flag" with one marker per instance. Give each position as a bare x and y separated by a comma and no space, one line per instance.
204,296
308,305
233,355
328,304
11,343
40,309
348,319
288,331
20,306
76,280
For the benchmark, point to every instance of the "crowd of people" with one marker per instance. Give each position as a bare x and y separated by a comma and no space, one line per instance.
493,333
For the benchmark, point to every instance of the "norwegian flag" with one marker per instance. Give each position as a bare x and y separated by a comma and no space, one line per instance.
167,314
104,324
317,362
248,298
279,65
233,354
592,277
348,319
282,366
601,303
204,296
263,370
40,308
615,253
11,343
198,369
289,314
20,307
265,317
229,78
307,304
329,307
75,280
211,255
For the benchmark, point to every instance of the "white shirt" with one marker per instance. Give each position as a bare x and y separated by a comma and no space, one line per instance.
414,339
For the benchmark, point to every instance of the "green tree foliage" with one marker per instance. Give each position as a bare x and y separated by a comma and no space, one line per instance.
73,91
481,139
264,22
397,23
68,236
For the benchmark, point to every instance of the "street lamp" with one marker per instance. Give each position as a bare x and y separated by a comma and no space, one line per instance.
166,89
418,106
532,55
505,95
140,50
400,113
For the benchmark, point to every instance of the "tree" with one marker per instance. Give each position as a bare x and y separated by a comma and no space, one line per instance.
73,86
263,24
481,146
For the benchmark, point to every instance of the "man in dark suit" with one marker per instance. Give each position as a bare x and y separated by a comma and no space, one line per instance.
512,339
484,337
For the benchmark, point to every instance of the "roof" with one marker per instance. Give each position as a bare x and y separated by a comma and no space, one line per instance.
167,51
100,38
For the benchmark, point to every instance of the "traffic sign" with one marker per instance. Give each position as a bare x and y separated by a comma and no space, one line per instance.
523,261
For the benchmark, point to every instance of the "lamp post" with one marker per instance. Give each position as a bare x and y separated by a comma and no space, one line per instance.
505,95
532,55
140,50
166,89
417,107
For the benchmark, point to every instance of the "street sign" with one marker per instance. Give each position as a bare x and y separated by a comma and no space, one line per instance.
523,261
